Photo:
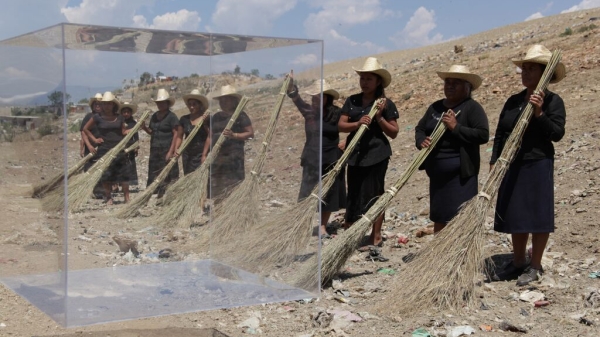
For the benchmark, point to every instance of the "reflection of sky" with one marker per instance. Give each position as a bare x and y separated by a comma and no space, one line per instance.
112,56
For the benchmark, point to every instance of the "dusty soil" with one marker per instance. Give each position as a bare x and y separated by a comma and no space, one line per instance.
29,237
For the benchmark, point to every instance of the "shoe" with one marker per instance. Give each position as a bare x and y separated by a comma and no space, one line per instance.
529,275
510,272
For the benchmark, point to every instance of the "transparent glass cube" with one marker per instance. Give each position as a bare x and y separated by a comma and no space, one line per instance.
84,265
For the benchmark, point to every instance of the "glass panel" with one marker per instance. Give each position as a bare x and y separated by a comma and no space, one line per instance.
146,257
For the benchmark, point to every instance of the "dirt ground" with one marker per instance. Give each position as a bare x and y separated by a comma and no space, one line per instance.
29,237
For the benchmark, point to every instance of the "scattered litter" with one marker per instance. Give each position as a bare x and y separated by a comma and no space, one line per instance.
586,321
538,304
386,271
595,274
458,331
506,326
421,332
345,314
484,327
531,296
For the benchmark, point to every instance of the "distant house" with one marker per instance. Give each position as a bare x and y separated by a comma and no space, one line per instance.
80,108
26,122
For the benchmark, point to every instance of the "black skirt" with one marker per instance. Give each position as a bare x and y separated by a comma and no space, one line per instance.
335,199
131,168
117,171
526,198
365,185
156,163
447,190
190,161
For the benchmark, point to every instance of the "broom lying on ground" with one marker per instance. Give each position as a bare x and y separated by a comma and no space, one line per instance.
281,237
42,189
240,210
337,252
443,274
132,209
81,187
182,199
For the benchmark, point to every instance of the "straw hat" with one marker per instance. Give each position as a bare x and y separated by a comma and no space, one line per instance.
462,73
96,98
163,95
109,97
228,90
373,66
195,94
540,54
327,90
129,105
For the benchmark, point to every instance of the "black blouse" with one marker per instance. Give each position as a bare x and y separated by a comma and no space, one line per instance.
540,133
374,146
162,130
197,144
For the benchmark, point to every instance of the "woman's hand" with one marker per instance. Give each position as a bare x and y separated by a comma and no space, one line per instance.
342,145
98,141
228,133
364,120
449,119
82,153
92,149
537,100
426,143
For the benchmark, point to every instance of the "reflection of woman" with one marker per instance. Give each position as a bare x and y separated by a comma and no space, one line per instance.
228,167
526,196
164,125
192,155
328,141
111,129
453,166
368,162
127,111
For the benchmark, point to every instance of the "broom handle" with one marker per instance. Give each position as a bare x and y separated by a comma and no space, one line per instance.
217,146
516,136
260,163
133,147
79,164
329,178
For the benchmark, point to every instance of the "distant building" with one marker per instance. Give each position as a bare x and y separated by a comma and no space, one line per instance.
26,122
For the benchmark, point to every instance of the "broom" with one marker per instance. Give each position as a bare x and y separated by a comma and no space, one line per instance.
81,187
445,271
132,209
241,207
182,198
335,254
285,242
133,147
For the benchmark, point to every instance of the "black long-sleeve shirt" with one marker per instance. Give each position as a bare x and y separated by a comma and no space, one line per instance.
541,131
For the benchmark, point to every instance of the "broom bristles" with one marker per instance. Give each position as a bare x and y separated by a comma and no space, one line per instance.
446,269
184,196
41,189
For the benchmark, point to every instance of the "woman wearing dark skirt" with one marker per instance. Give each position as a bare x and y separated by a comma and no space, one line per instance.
191,157
228,167
111,129
164,125
367,165
526,196
127,111
328,141
453,165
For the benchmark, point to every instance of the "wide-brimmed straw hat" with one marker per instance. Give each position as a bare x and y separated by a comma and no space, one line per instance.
163,95
540,54
372,65
96,98
195,94
462,73
327,90
109,97
228,90
129,105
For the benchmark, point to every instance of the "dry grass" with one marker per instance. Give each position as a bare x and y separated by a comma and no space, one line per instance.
132,209
444,274
182,199
41,189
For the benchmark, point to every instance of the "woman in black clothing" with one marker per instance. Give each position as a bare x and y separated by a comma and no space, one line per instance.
526,196
127,111
192,155
368,162
111,128
453,166
330,150
164,125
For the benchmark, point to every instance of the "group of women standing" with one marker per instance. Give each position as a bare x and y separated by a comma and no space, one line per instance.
111,120
525,202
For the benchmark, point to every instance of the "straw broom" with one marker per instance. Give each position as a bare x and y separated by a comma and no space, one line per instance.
132,209
81,187
184,196
445,271
335,254
41,189
286,241
241,207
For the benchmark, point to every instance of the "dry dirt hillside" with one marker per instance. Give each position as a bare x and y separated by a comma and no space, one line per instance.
572,264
